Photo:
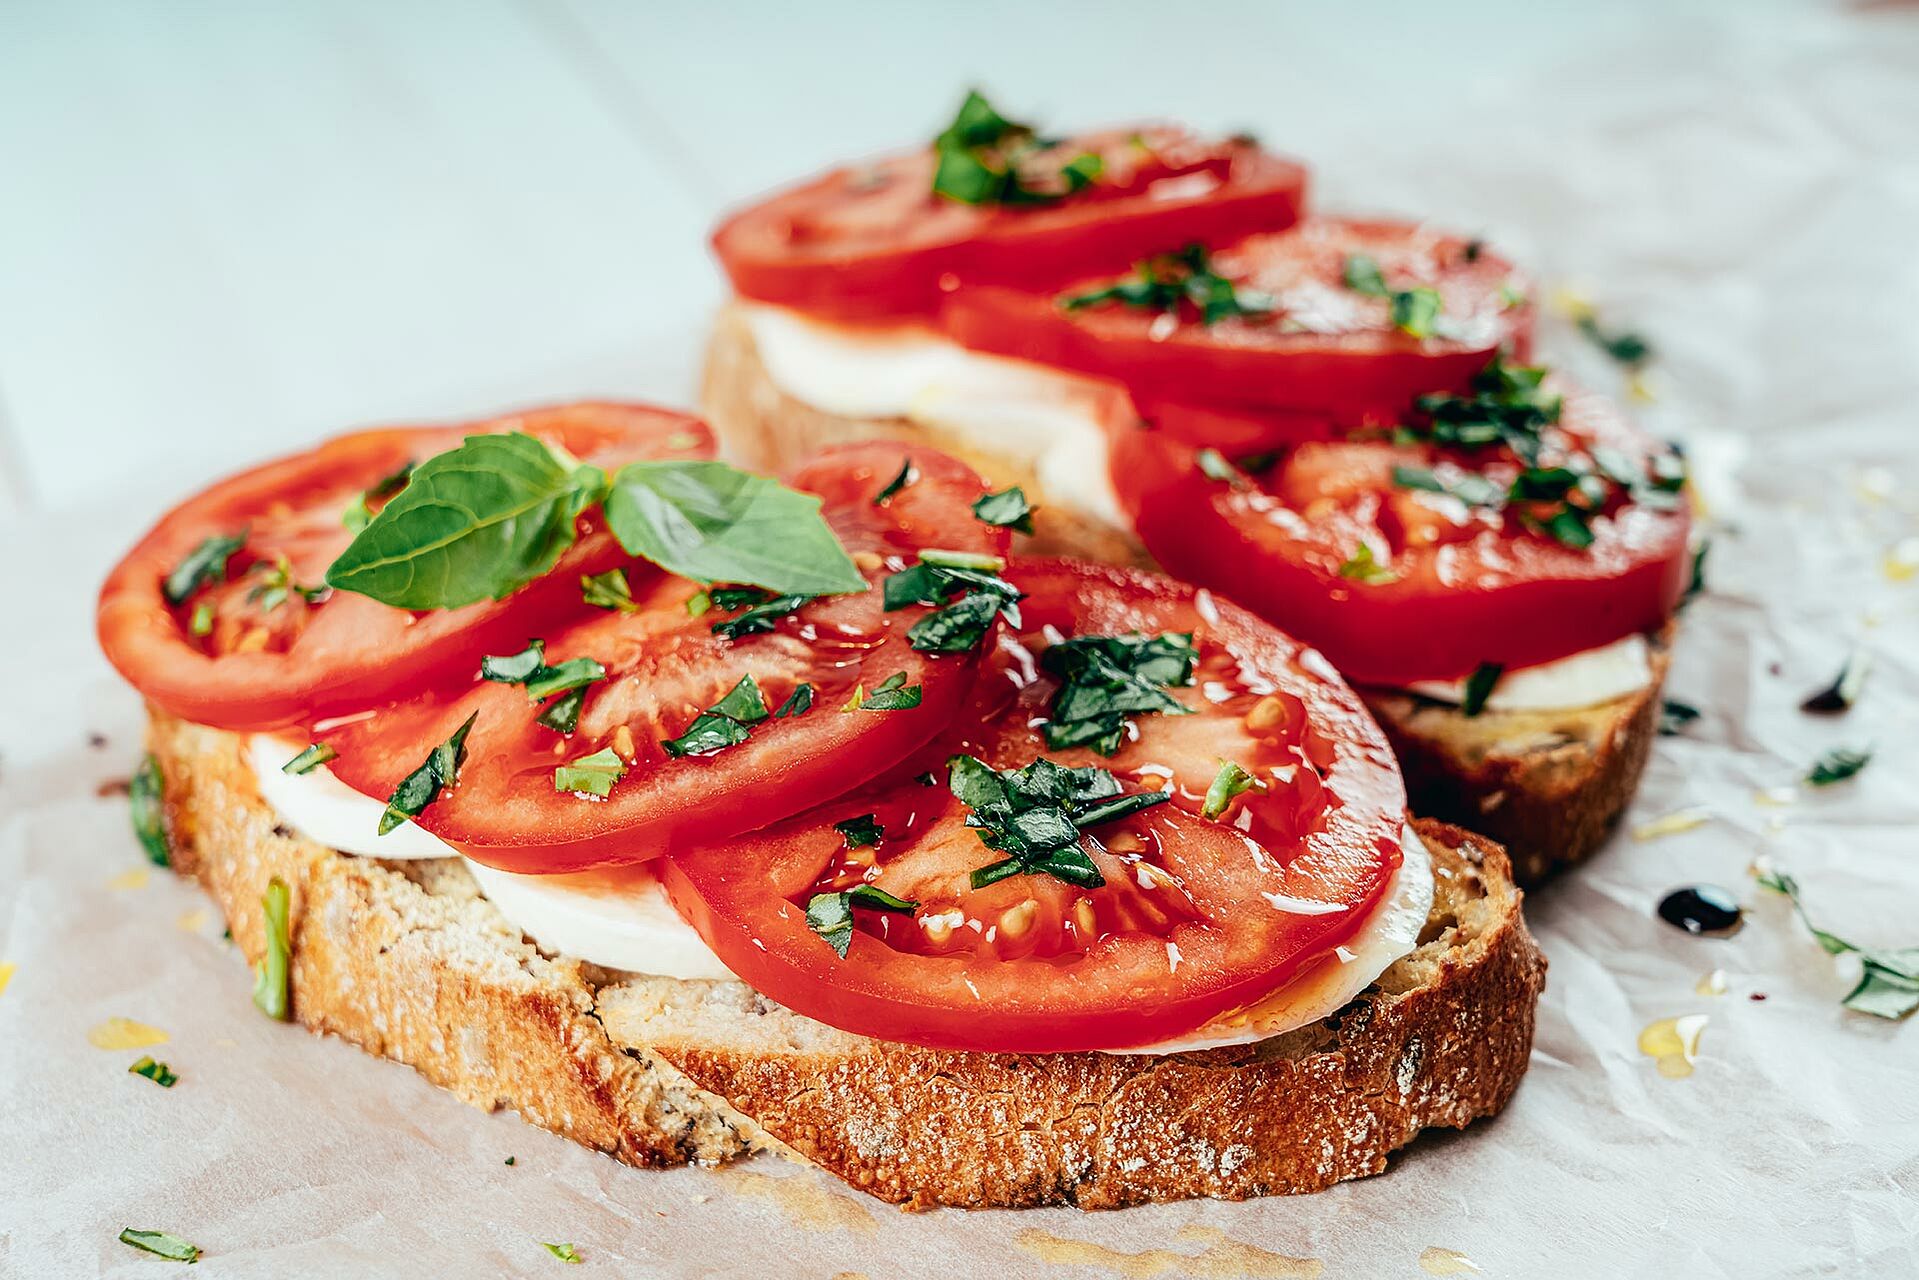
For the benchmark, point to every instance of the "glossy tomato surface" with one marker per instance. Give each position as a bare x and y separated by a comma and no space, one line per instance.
1443,587
1195,915
266,652
1321,347
664,666
873,240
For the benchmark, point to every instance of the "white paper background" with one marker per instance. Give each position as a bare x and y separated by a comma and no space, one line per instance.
1741,184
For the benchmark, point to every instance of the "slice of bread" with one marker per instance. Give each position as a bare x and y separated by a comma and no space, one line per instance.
408,961
1547,785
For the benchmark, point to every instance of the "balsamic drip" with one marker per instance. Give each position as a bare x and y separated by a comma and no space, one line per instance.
1702,909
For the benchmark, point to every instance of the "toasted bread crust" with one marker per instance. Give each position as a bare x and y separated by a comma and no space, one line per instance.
407,961
1549,787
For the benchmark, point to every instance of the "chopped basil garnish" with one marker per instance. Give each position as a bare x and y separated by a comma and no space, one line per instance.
763,611
1845,688
609,590
161,1243
1181,283
890,694
1479,687
831,914
562,715
422,787
1507,405
1628,349
727,723
1837,765
1674,716
146,800
1415,311
515,668
564,1252
861,831
360,513
1007,509
1035,815
272,986
201,623
960,626
1362,567
797,703
528,669
310,759
905,477
981,157
206,563
1229,784
482,520
574,673
591,775
276,585
1105,680
158,1072
1888,985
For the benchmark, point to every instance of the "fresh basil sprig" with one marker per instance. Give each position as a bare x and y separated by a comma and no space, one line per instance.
486,518
1888,985
440,769
1035,815
831,914
1106,680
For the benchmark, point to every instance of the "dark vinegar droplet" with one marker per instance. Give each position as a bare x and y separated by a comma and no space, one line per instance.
1702,908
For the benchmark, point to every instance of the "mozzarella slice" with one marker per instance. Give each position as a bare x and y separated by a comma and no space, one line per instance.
1583,679
327,811
619,919
1390,932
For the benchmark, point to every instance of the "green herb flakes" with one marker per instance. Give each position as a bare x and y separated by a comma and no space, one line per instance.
1035,815
957,627
440,769
609,590
860,832
1837,765
205,564
905,477
1674,716
1228,784
146,801
158,1072
1107,680
1007,509
890,694
592,775
310,759
727,723
797,703
1414,311
1838,697
1180,284
1479,687
1362,567
564,1252
272,986
831,914
161,1244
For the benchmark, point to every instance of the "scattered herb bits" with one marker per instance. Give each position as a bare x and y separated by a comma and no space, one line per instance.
440,769
860,832
1837,765
272,977
892,487
830,915
204,565
727,723
1362,567
1176,284
609,590
592,775
146,800
1035,815
1105,681
158,1072
564,1252
1675,716
162,1244
1231,782
1007,509
310,759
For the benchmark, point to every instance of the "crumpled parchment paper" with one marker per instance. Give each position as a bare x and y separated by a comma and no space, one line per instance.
1747,196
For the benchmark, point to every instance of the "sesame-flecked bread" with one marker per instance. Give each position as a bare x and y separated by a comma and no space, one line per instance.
407,960
1549,786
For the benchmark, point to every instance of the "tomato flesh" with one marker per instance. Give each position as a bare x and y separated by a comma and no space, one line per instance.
1193,917
1468,585
873,240
1324,349
270,656
664,667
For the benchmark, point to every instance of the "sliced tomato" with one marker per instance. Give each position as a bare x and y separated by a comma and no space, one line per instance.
1449,587
1195,915
665,665
266,652
1323,347
873,240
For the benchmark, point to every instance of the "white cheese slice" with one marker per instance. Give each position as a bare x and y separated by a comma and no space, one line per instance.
1583,679
327,811
618,919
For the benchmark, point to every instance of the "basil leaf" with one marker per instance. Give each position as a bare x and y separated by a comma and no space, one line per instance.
1361,567
1837,765
146,801
206,563
860,832
201,623
957,628
272,985
1417,478
564,1252
1007,509
609,590
1228,784
310,759
515,668
161,1243
712,523
422,787
905,477
475,523
574,673
725,724
158,1072
799,702
1888,985
1106,680
562,715
590,775
762,617
1479,687
1845,689
1172,283
831,914
1035,815
892,695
